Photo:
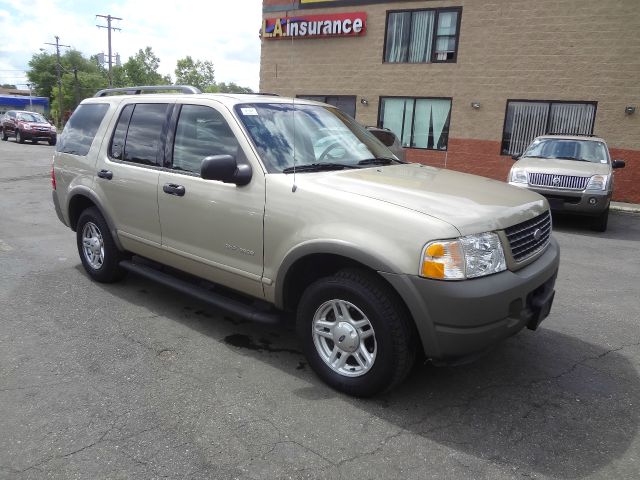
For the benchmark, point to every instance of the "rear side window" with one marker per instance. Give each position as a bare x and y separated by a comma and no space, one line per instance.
80,130
142,140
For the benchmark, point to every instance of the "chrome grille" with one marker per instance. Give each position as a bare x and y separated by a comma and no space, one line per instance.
569,182
522,237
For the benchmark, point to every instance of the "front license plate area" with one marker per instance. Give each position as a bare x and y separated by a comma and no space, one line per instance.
539,304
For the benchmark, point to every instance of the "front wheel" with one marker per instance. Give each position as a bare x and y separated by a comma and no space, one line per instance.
601,221
98,252
356,333
52,141
4,135
19,137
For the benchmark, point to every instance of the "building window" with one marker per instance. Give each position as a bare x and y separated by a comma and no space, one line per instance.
526,119
422,36
346,103
418,122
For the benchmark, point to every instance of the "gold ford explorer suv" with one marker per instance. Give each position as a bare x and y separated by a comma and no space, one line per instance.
573,173
289,205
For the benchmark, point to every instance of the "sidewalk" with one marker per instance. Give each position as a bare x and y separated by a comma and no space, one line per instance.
625,207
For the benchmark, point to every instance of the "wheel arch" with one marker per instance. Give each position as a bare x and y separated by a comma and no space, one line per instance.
308,262
80,201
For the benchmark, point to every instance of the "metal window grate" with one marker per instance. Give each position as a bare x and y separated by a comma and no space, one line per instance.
529,237
568,182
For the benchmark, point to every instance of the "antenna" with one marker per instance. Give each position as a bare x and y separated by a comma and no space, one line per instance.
293,114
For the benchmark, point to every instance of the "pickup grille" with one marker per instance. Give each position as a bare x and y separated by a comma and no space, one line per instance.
569,182
522,237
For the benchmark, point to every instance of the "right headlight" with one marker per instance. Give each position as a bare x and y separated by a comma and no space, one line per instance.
518,175
598,182
471,256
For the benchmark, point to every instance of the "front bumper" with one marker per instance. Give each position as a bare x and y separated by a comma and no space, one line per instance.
571,201
38,135
457,319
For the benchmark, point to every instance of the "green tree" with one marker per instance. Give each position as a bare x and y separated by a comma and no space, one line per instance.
142,69
42,73
81,77
197,73
230,87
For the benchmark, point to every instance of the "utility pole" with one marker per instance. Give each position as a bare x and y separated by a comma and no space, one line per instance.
30,100
109,28
75,90
59,76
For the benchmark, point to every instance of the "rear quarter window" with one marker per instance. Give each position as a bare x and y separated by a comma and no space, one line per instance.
80,130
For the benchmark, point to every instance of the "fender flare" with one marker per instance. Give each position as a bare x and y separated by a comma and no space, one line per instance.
329,247
83,191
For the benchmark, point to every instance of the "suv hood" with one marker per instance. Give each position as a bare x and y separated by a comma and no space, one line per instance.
35,124
563,167
470,203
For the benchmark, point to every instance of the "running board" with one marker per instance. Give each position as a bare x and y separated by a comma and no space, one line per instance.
214,299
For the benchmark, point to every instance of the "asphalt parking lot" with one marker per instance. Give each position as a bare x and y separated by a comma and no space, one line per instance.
133,380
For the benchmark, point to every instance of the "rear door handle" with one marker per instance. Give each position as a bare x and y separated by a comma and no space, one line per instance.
173,189
108,174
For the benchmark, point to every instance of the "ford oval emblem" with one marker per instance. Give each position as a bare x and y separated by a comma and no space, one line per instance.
537,234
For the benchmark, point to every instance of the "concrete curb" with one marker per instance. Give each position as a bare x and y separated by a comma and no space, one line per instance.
625,207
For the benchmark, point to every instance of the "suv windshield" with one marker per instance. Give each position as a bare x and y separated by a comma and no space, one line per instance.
31,117
568,149
315,135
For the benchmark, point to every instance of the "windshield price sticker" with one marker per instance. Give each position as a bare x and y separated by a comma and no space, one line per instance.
249,111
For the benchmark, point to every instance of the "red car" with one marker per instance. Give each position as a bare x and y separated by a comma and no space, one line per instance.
27,126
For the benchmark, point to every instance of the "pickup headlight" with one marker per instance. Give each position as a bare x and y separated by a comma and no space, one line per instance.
465,257
518,175
598,182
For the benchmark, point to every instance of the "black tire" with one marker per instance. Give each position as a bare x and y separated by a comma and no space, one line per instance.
395,335
108,270
34,141
19,137
52,142
5,137
600,222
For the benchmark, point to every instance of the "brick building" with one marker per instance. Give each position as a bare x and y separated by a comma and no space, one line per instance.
467,83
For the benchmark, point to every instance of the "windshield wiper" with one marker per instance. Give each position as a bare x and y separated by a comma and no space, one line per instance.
317,167
379,161
567,158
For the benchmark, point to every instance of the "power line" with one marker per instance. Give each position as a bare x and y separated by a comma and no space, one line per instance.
109,28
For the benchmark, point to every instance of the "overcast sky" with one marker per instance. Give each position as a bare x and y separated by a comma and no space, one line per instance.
224,32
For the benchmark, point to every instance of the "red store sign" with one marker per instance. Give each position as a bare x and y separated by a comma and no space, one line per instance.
315,26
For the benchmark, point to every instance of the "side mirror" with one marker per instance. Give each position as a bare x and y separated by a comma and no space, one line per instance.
224,168
618,164
387,138
515,157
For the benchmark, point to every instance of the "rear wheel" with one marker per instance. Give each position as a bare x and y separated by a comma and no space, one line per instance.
98,252
355,333
19,137
600,222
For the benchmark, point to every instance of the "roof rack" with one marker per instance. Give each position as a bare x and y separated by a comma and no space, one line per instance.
570,134
187,89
